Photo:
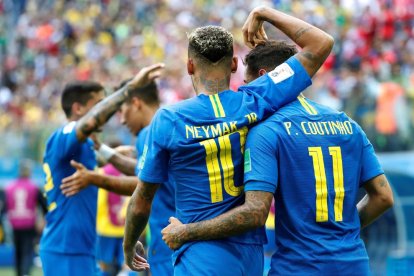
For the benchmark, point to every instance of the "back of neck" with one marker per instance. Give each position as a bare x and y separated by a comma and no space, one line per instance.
211,84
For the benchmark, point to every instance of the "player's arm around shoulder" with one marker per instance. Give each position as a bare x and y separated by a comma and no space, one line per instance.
379,198
252,214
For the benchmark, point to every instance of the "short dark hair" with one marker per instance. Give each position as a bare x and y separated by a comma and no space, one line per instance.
210,44
269,55
148,94
80,92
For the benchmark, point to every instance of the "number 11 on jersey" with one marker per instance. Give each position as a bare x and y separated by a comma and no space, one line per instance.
321,185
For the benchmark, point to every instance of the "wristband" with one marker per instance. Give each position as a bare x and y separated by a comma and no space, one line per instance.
106,152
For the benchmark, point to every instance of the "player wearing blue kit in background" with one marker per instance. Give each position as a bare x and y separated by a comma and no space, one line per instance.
312,159
163,207
67,246
145,104
199,143
136,114
77,215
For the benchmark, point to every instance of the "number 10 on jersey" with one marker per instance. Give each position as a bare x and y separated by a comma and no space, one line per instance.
225,162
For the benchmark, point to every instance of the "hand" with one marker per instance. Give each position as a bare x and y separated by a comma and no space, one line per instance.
73,184
134,257
253,31
146,75
173,234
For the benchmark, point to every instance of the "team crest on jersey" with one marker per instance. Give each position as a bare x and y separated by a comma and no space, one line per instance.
281,73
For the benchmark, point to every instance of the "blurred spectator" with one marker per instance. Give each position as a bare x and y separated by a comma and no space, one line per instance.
22,199
110,228
2,212
52,42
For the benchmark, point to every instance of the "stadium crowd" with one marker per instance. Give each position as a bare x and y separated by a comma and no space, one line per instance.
44,44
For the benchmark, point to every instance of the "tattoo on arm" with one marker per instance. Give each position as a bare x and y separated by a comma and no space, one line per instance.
315,59
300,32
383,182
101,112
138,212
252,214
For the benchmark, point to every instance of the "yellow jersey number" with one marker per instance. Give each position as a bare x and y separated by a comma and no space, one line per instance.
321,186
49,185
225,164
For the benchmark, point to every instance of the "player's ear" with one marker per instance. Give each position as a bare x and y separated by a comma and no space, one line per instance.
190,66
234,64
76,109
262,72
136,102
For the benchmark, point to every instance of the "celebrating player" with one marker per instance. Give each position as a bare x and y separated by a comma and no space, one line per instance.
313,160
200,142
70,217
136,113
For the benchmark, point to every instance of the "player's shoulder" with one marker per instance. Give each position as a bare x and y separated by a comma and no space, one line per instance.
61,133
189,108
65,129
267,128
55,134
166,113
144,131
305,107
141,137
324,109
173,110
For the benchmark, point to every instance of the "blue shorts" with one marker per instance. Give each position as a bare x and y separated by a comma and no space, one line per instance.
162,268
109,250
311,267
67,264
220,258
270,247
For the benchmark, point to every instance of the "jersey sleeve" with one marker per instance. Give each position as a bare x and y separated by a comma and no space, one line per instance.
153,166
260,160
68,141
369,161
280,86
140,145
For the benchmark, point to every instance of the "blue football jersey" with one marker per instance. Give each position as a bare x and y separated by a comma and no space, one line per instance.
71,221
314,159
199,142
163,207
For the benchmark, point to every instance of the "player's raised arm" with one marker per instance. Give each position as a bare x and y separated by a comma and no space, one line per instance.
101,112
315,43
